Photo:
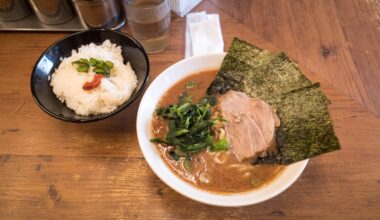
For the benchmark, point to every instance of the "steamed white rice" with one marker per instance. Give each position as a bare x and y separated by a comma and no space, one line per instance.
67,82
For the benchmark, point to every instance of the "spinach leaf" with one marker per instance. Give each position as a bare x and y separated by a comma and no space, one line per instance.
190,126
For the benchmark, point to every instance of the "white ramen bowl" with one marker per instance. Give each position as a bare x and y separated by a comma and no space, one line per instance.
157,88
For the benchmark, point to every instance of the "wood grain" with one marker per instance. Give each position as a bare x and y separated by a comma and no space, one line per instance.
338,39
57,170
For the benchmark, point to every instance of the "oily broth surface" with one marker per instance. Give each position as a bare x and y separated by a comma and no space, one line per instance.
207,173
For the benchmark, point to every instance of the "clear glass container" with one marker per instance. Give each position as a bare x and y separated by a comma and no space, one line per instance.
52,11
100,13
149,21
13,10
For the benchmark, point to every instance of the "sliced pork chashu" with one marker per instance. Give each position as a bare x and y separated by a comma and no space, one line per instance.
251,124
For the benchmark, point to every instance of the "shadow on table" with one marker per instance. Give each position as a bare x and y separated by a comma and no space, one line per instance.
115,135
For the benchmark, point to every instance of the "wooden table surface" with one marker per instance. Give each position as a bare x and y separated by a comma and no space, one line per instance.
54,169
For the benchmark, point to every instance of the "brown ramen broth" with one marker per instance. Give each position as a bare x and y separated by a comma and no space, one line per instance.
214,171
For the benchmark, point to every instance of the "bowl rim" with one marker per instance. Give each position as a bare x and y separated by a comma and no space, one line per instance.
149,149
91,118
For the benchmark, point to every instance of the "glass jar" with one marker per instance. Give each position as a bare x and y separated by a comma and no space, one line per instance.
13,10
52,11
99,13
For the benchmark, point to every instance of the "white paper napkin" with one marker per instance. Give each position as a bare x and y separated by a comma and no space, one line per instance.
182,7
203,34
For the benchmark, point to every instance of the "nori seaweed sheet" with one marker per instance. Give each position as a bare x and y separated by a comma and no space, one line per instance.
306,128
258,73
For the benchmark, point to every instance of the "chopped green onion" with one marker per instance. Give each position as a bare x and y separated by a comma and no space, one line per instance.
187,165
220,145
190,84
109,64
257,182
100,66
82,68
98,70
92,61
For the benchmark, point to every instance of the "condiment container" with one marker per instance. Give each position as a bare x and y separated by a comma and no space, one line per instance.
101,14
13,10
52,11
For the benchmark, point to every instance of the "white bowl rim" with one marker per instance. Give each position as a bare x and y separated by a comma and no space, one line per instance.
154,160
